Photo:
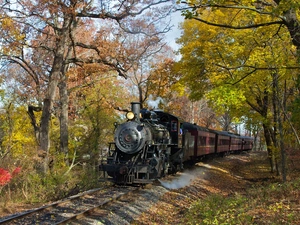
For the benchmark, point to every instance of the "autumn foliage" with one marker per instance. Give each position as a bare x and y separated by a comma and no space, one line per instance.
6,176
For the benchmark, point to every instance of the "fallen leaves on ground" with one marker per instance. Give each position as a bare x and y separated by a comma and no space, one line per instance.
228,176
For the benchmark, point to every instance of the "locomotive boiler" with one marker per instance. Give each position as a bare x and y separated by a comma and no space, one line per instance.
141,149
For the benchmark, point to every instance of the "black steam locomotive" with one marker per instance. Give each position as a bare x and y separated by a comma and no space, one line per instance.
152,144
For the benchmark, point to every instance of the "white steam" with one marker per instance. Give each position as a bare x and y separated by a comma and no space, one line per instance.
183,180
153,104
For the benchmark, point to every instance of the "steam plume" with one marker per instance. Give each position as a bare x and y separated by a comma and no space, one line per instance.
180,182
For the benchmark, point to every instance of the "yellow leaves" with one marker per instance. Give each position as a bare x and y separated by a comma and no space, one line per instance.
19,137
11,34
258,56
7,23
216,57
278,207
179,88
298,13
286,5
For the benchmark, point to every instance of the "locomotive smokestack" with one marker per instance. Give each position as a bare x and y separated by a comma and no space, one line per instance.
135,108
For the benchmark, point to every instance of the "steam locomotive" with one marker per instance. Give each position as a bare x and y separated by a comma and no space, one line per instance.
152,144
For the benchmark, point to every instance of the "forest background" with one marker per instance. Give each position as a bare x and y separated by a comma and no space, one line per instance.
69,69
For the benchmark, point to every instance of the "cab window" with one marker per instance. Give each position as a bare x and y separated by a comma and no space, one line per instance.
174,126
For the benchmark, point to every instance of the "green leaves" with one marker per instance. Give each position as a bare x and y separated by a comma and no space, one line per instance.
226,97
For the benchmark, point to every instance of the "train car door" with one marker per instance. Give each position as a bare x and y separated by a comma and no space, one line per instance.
190,136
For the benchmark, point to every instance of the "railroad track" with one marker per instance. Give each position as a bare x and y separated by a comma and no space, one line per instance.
70,209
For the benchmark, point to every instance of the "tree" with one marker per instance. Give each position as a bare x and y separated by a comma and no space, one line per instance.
146,54
52,30
92,110
272,13
16,138
238,66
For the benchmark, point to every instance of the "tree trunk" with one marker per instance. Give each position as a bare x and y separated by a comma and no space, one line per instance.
44,133
280,127
48,101
64,134
269,147
283,153
275,123
36,127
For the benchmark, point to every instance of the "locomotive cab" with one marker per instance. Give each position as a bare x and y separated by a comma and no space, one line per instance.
175,126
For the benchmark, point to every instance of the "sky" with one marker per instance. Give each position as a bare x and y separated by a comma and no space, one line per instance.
171,36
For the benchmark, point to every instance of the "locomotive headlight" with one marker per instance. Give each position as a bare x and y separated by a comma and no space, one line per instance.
130,115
